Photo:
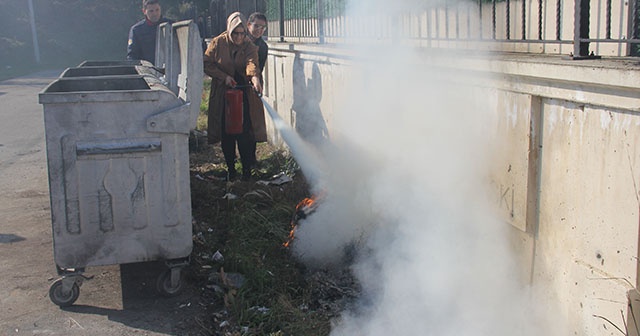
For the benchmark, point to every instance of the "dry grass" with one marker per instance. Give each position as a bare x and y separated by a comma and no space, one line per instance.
249,232
278,296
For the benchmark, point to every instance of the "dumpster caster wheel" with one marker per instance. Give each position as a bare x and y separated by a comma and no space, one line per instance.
169,283
59,297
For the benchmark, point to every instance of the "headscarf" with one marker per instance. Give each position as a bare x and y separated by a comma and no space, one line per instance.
234,20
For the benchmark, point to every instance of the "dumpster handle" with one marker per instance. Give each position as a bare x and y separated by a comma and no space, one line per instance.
120,147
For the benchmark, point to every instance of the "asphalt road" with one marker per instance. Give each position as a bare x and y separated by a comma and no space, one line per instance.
120,300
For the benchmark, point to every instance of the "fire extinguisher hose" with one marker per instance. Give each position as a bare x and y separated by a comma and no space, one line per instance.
248,86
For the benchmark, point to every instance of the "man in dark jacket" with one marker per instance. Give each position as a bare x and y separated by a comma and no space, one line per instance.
142,35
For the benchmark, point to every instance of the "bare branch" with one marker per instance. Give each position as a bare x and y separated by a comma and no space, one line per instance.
613,324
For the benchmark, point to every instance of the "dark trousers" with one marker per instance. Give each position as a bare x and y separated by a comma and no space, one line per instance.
246,147
245,141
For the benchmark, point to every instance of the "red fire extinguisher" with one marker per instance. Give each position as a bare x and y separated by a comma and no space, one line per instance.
233,111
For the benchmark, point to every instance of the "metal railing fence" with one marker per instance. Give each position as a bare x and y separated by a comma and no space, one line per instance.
580,28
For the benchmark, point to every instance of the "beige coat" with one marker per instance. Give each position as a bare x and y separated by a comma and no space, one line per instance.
219,63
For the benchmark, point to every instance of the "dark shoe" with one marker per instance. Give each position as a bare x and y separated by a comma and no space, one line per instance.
232,174
246,175
257,165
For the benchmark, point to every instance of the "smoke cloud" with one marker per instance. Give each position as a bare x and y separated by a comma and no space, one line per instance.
406,187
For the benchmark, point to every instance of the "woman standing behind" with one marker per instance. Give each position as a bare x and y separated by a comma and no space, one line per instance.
232,61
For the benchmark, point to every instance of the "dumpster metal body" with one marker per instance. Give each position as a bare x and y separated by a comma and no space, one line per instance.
118,161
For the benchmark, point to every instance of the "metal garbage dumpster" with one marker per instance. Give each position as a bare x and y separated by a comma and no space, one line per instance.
118,165
126,67
93,71
115,70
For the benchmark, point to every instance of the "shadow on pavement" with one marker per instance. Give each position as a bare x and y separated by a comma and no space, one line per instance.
10,238
143,308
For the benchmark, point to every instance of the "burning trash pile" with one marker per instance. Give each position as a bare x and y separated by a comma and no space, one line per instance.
332,289
243,262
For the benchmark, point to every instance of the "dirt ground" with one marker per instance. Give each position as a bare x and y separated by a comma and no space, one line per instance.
118,301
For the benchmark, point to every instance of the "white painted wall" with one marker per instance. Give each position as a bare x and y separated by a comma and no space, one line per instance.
567,181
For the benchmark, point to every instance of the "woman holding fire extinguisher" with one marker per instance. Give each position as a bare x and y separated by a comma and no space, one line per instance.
235,116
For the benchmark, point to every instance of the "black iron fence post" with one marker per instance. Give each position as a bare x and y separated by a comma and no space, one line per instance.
524,20
634,27
608,19
559,20
493,19
508,18
321,21
581,30
480,18
539,19
446,21
281,20
578,48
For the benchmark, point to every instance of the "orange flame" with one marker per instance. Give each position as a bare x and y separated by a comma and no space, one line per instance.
305,207
292,235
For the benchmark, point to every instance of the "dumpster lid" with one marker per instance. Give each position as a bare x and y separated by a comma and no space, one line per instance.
179,52
92,63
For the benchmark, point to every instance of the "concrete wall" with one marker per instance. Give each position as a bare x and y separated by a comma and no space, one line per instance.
567,182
